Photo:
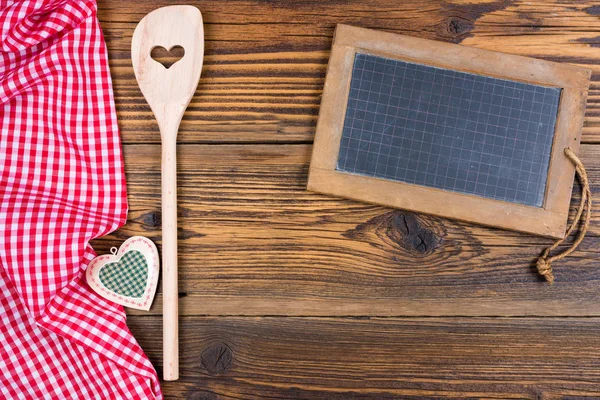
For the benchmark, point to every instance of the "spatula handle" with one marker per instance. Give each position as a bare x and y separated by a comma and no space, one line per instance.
169,261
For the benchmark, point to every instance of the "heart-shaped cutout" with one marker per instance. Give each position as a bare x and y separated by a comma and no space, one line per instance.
129,275
167,57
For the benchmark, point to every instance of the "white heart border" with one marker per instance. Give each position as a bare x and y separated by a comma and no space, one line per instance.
149,250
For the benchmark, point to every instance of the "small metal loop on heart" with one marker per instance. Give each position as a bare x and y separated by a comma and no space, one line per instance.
167,57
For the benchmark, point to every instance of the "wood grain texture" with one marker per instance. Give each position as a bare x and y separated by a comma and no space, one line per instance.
253,241
265,60
410,358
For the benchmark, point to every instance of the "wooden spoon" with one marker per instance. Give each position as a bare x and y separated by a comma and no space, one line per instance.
169,91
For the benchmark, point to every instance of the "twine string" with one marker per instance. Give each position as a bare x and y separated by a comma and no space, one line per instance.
544,263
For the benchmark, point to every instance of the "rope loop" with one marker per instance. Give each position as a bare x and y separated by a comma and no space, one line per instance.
544,263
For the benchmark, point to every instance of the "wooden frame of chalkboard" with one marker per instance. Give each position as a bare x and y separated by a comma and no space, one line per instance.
549,220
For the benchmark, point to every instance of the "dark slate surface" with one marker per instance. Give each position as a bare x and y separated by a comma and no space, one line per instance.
449,130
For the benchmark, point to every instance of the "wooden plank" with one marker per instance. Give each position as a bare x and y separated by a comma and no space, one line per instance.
253,241
265,61
413,358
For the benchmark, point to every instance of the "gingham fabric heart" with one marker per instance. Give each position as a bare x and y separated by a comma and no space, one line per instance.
129,275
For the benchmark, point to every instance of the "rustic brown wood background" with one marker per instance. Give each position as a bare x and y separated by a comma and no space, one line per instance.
290,294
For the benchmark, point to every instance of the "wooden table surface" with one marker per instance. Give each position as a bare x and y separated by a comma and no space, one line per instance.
291,294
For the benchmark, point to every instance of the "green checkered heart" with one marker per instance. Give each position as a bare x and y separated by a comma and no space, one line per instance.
127,277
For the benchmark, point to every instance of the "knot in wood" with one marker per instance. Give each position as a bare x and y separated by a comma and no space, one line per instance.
459,26
216,358
152,219
397,228
414,236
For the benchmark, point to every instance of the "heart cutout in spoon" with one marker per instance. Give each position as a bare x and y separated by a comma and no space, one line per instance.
167,57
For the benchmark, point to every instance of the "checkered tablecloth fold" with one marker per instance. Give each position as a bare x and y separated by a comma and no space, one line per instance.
61,185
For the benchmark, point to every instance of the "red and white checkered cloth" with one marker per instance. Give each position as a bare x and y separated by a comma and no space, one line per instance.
61,185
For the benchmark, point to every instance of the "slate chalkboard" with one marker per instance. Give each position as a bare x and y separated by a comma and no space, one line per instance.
449,130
